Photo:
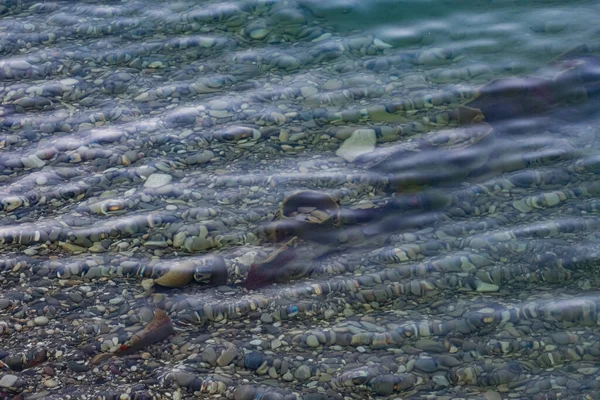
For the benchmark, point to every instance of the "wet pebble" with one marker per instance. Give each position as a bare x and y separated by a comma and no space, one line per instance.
41,321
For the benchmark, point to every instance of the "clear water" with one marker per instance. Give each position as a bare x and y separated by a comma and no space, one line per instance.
328,199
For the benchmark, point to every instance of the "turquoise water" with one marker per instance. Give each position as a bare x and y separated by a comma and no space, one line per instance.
299,199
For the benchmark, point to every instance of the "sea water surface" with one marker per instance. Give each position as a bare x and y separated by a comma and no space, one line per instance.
299,199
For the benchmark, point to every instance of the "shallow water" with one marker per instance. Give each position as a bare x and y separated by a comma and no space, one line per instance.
329,199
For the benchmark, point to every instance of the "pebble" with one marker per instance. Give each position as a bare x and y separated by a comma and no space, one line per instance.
41,320
77,367
50,383
8,381
158,180
312,341
426,365
226,357
302,373
361,141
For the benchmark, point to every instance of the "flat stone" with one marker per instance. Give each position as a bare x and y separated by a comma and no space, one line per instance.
441,380
69,81
266,318
8,381
361,141
50,383
430,346
32,161
201,157
158,180
76,297
41,320
19,64
226,357
76,367
302,373
209,356
425,365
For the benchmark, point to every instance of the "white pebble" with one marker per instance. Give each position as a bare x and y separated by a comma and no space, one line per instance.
158,180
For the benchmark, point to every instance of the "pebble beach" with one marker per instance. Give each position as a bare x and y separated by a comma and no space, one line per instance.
256,201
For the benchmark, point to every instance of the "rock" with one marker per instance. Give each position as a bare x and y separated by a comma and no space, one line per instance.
32,161
183,378
201,157
491,395
158,180
50,383
9,381
226,357
41,320
253,360
209,356
245,392
430,346
198,244
312,341
302,373
266,318
4,303
441,380
361,141
76,297
426,365
76,367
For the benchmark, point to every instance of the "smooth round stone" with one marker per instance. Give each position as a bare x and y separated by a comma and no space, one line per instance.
50,383
267,318
302,373
384,385
218,104
4,303
426,365
201,157
76,297
41,320
253,360
158,180
560,338
430,346
116,300
312,341
183,379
